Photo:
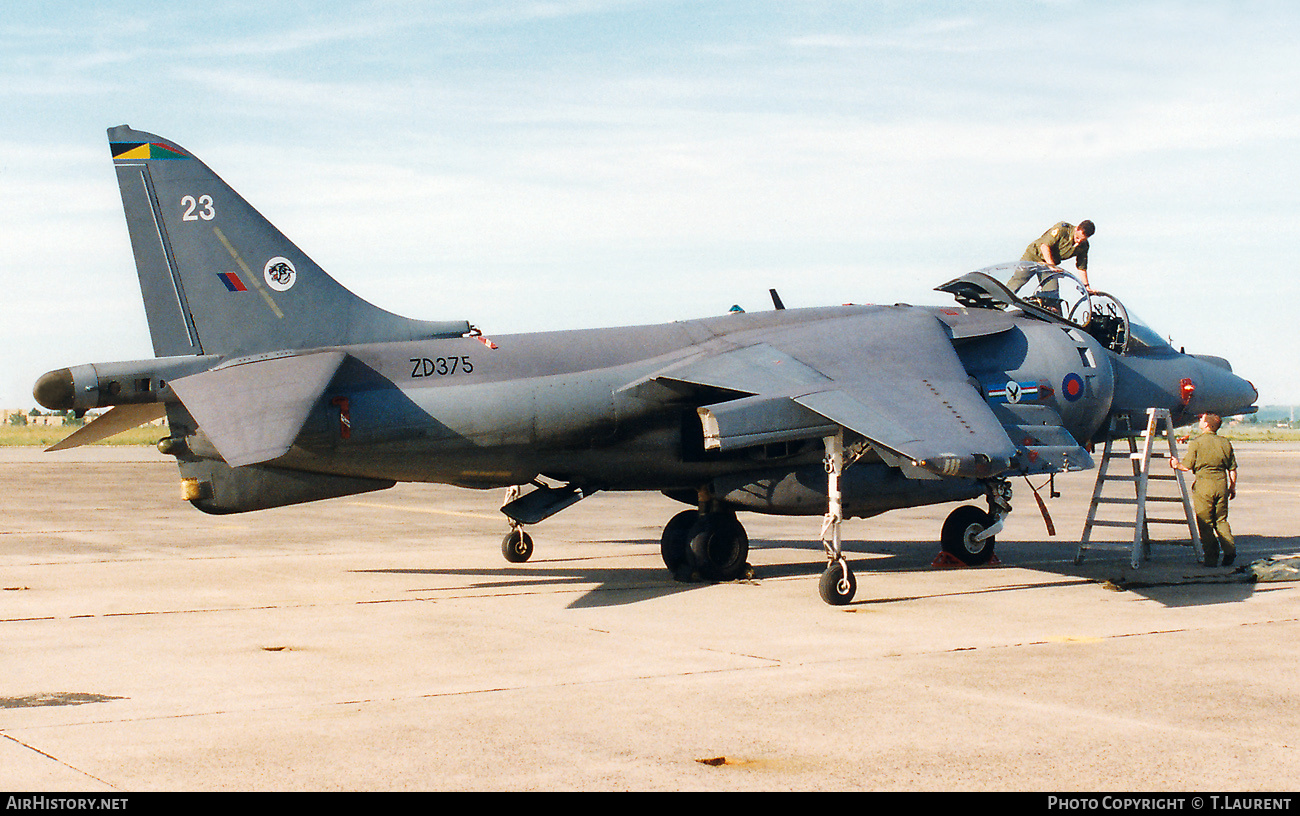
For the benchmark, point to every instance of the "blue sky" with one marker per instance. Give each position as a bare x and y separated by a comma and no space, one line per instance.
578,163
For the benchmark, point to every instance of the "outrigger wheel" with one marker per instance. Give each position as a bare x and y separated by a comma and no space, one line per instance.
517,546
838,586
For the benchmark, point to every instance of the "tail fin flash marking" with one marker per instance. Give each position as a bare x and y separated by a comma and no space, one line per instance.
232,281
141,151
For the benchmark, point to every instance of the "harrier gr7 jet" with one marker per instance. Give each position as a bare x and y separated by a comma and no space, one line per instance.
280,386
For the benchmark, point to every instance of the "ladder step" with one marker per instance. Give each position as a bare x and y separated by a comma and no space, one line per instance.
1110,523
1115,500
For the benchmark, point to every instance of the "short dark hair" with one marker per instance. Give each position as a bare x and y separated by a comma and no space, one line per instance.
1088,228
1212,421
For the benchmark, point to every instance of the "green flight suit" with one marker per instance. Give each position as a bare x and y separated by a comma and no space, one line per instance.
1061,238
1210,458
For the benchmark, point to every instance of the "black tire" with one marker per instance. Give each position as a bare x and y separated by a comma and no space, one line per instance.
831,589
517,546
720,547
675,543
959,531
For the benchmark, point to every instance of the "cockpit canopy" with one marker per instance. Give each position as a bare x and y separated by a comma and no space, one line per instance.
1058,297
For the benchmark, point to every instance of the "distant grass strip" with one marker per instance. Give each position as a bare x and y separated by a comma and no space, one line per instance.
44,436
1259,433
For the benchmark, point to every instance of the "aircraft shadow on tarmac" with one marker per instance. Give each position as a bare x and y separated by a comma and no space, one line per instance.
1170,577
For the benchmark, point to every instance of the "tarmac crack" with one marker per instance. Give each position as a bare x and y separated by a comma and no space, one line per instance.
1133,722
53,758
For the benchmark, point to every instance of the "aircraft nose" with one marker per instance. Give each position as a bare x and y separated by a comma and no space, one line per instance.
1219,391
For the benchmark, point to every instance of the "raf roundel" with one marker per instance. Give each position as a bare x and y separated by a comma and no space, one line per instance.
1072,387
280,274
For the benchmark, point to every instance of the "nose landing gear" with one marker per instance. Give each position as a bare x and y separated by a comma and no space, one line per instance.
969,533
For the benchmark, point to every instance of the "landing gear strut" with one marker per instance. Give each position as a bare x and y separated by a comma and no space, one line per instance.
837,586
517,546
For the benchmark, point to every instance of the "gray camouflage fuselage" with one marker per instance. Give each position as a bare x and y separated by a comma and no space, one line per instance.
281,386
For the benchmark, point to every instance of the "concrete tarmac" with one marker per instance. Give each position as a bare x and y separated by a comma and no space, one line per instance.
381,642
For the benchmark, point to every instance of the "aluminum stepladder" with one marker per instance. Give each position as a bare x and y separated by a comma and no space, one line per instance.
1141,478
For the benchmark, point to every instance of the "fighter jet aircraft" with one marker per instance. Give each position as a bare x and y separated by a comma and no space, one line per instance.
280,386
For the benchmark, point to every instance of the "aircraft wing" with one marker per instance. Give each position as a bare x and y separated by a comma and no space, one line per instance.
890,375
253,411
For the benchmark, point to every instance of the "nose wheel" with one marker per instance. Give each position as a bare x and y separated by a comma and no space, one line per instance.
969,533
964,535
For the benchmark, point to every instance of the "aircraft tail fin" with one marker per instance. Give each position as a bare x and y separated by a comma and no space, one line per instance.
218,278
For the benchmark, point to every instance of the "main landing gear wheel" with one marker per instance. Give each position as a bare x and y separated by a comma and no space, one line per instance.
838,586
675,543
517,546
719,546
959,532
712,545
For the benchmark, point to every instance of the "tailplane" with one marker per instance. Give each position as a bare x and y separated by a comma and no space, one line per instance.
218,278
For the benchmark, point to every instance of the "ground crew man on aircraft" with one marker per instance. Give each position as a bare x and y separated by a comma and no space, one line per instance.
1053,247
1211,459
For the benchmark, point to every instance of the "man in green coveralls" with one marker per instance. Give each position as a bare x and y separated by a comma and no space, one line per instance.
1210,458
1053,247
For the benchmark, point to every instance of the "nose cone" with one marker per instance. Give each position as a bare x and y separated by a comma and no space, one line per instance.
1219,391
54,390
1184,384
